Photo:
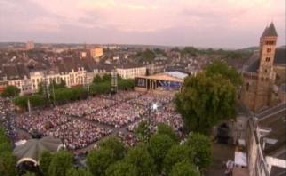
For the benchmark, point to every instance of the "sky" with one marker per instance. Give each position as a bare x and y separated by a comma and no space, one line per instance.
197,23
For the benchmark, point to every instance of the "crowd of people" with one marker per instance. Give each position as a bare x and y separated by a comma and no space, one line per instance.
7,120
85,122
77,134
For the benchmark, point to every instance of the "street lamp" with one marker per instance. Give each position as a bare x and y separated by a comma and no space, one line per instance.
152,108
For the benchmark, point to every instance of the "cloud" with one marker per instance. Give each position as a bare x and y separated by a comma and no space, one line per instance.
222,23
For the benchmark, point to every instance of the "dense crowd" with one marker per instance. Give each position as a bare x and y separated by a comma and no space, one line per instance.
85,122
78,134
7,118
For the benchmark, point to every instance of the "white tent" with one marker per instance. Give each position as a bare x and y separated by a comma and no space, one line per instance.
32,149
240,159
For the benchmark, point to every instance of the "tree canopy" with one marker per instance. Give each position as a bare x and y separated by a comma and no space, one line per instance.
201,146
158,147
204,101
142,160
60,163
7,159
227,72
177,153
10,91
121,168
184,168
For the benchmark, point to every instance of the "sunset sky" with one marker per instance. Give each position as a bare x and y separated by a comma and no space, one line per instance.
198,23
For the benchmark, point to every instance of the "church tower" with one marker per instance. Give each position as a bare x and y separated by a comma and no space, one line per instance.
266,74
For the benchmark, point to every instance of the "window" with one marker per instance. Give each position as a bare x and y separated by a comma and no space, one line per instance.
267,59
265,70
268,50
269,42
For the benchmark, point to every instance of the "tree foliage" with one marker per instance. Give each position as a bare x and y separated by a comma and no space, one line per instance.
10,91
45,161
121,168
7,159
227,72
78,172
201,146
99,160
184,168
115,146
176,154
204,101
7,164
60,164
158,147
167,130
143,131
142,160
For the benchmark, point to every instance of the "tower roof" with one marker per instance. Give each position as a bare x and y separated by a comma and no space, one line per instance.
270,31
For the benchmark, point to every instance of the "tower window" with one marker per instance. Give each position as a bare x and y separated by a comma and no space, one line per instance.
268,50
267,59
269,42
247,86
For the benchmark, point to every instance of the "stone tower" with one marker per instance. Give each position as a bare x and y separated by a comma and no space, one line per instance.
259,77
266,74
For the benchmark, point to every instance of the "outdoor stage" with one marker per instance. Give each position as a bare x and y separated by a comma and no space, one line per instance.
167,81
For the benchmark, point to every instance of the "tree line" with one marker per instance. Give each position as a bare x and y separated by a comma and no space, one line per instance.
58,93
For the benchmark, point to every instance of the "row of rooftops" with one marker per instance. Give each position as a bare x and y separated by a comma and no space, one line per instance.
16,71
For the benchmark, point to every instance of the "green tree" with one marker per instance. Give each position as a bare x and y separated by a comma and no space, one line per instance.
29,174
201,145
184,168
227,72
97,79
61,162
106,77
158,147
142,160
115,146
10,91
7,164
205,101
176,154
121,168
5,146
143,131
78,172
125,84
167,130
99,160
45,161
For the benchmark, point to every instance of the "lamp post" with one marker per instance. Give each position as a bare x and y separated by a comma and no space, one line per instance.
152,107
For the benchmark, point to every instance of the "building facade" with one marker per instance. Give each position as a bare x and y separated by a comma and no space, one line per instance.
96,52
130,72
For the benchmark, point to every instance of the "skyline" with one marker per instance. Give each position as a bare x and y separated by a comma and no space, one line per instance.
204,23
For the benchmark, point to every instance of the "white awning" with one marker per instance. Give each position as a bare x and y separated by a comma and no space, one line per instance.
276,162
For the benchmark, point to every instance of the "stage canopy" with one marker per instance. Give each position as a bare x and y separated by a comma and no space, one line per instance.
32,149
161,81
